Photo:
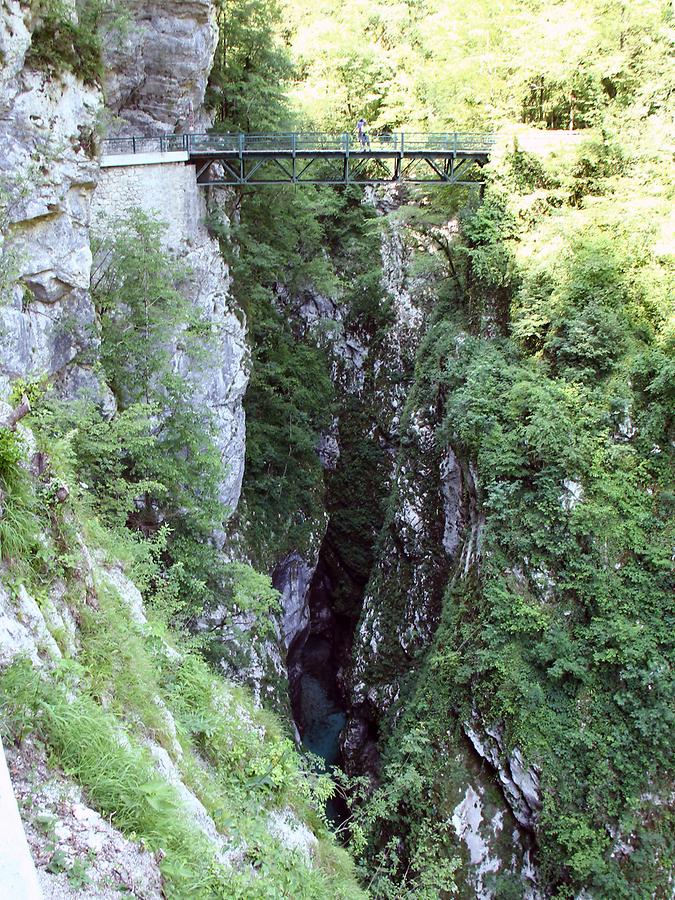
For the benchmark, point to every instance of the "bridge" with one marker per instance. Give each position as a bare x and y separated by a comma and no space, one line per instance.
236,159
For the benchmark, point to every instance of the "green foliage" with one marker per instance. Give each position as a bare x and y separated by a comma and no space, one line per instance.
598,161
290,394
33,388
101,452
584,315
19,543
61,42
424,865
526,170
120,777
137,291
250,69
570,102
132,680
10,454
563,637
559,66
248,608
288,246
549,365
160,448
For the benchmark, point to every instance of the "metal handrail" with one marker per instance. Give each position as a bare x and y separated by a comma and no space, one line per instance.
299,142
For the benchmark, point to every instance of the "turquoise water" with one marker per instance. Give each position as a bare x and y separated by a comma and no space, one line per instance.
321,718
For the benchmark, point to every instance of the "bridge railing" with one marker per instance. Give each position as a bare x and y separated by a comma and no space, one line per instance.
301,142
164,143
463,142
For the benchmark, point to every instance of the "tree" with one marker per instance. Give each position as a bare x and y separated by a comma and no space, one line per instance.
251,67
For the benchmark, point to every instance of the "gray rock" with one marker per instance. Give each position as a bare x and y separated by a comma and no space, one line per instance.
451,487
520,783
24,630
329,447
169,194
292,579
14,42
157,64
48,327
194,808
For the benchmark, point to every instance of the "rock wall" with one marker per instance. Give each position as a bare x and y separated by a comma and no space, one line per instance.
431,533
53,196
168,192
47,322
157,61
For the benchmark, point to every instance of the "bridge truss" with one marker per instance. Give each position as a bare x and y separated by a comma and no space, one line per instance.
296,158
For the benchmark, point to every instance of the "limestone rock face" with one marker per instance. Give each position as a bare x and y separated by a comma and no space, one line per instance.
14,42
47,322
169,194
292,578
293,834
157,63
520,784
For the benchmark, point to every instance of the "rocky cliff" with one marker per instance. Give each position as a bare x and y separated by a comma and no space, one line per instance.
48,179
157,60
55,200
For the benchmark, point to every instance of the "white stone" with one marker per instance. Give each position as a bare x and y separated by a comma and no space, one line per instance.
467,819
194,808
572,494
115,160
18,877
169,193
117,581
292,834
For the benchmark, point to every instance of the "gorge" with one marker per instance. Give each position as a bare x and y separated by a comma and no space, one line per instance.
381,472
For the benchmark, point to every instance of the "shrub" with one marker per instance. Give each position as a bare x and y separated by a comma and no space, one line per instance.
59,44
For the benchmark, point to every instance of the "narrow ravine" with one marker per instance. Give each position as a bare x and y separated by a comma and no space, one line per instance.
317,662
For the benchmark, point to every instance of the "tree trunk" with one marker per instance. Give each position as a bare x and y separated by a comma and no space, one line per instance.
16,414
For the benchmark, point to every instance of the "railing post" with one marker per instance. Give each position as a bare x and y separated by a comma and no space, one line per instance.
241,143
346,166
402,142
293,143
454,148
133,144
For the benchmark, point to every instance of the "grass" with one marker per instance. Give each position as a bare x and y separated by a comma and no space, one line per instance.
18,519
95,713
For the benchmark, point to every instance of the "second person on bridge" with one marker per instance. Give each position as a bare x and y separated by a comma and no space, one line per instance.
362,132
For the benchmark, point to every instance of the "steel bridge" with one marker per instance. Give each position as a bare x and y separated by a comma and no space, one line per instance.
235,159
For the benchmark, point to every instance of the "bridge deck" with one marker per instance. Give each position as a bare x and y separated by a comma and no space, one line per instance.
283,158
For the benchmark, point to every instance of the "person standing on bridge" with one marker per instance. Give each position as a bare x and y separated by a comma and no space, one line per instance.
362,131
